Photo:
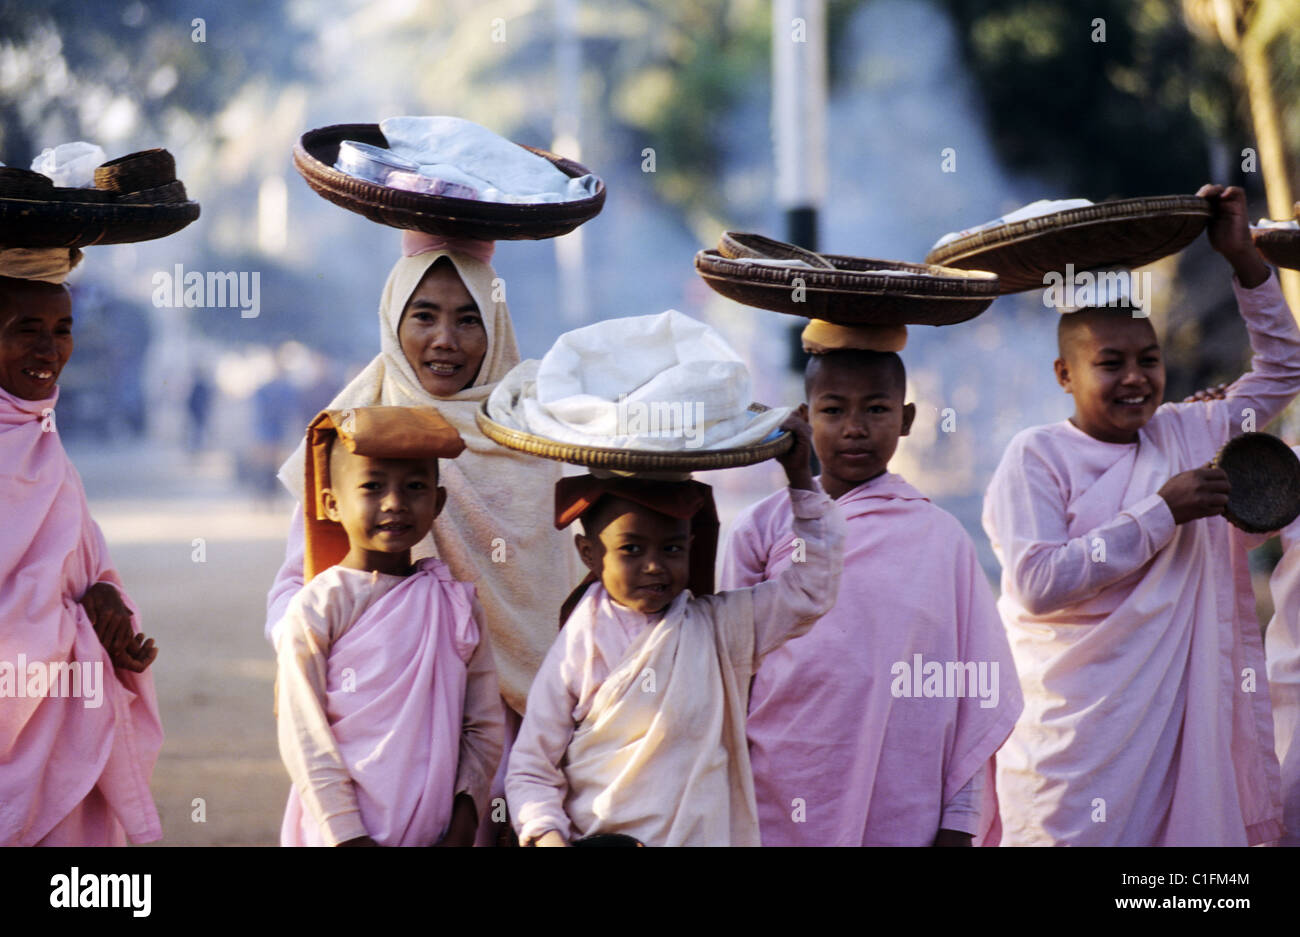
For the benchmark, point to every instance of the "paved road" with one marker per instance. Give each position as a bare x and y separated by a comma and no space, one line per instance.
215,672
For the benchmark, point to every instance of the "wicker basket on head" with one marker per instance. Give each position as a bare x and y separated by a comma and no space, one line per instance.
316,151
135,172
1264,475
1279,246
1128,232
837,288
634,460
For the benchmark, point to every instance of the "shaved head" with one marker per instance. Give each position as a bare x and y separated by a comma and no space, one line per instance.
879,368
1079,331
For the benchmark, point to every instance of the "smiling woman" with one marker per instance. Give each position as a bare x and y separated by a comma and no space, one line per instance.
35,336
442,333
77,763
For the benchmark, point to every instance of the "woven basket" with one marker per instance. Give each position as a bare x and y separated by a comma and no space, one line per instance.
168,194
147,169
849,293
633,460
314,155
52,223
1280,246
1264,475
1128,232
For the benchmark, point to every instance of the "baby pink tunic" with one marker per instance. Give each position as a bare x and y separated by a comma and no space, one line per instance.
848,747
636,723
1147,717
74,770
1282,648
387,706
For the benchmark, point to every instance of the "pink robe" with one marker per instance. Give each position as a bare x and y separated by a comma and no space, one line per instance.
1282,648
70,773
388,706
636,723
1147,717
846,750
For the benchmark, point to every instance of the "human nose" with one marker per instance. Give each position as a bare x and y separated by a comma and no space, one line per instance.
393,501
443,334
45,347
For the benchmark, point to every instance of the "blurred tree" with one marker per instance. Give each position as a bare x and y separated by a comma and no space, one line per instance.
1136,114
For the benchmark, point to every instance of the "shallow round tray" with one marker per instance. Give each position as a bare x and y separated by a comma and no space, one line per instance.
624,460
1265,477
1128,232
849,293
45,223
1279,246
314,155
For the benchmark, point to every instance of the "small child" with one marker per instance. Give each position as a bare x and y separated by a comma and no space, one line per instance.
856,736
389,715
1127,597
636,721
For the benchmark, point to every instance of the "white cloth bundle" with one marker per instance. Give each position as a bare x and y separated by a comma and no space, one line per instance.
70,165
1269,224
1033,210
660,383
463,153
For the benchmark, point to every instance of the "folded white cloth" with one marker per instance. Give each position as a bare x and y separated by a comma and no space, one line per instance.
659,383
1269,223
70,165
1036,209
463,153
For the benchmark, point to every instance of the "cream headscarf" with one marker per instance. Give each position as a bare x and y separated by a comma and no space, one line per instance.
496,530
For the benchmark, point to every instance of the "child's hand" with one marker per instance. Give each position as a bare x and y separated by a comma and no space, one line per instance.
359,841
550,838
1200,492
1229,233
797,459
1217,392
952,838
137,655
463,826
109,616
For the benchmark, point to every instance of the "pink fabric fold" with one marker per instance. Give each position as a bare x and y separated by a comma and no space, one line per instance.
838,757
399,740
418,242
55,750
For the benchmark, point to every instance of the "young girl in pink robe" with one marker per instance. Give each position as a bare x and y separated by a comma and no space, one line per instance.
389,717
636,721
853,740
75,763
1128,599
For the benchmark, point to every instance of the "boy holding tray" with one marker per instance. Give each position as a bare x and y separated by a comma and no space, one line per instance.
856,734
1126,598
635,723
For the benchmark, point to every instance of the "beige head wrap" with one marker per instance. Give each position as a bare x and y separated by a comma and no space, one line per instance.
48,264
496,530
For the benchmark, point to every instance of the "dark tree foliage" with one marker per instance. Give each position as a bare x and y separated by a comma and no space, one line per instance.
1126,117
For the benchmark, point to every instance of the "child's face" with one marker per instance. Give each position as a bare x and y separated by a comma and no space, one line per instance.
858,415
442,332
35,339
641,556
385,505
1114,371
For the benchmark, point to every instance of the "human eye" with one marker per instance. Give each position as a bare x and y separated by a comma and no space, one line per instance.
470,319
829,408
